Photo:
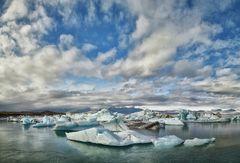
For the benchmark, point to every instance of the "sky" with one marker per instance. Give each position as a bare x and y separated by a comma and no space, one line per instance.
76,54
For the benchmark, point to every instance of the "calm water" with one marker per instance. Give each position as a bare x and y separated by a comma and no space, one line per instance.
23,144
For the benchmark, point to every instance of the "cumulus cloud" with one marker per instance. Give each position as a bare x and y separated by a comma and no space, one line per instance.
16,10
146,63
21,38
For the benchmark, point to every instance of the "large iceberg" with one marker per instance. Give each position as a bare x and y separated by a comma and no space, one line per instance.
67,123
198,142
144,115
208,117
106,137
104,115
167,141
116,125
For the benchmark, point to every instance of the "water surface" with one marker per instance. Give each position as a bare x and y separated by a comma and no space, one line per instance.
27,144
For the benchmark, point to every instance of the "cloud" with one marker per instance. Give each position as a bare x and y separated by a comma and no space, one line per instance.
66,41
103,57
156,53
186,68
88,47
142,26
17,9
22,38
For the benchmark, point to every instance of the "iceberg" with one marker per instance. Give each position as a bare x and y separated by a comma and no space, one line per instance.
12,119
191,116
27,121
77,121
235,118
167,141
198,142
182,115
201,117
65,126
173,121
63,119
46,122
145,125
144,115
104,115
116,125
168,121
86,123
106,137
40,125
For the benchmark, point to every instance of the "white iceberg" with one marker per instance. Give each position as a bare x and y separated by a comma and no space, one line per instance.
106,137
12,119
190,116
63,119
104,115
198,142
66,126
40,125
27,121
115,125
143,115
173,121
85,123
167,141
46,122
168,121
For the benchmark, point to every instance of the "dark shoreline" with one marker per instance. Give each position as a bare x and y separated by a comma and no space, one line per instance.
24,113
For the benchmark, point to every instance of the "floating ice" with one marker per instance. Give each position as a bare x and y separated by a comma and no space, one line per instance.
40,125
198,142
85,123
167,141
27,121
104,115
191,116
46,122
168,121
106,137
115,125
65,126
63,119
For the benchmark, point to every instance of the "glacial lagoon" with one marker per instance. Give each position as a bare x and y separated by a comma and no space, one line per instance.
20,143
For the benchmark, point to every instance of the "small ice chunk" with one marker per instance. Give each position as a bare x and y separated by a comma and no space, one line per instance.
168,121
167,141
198,142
